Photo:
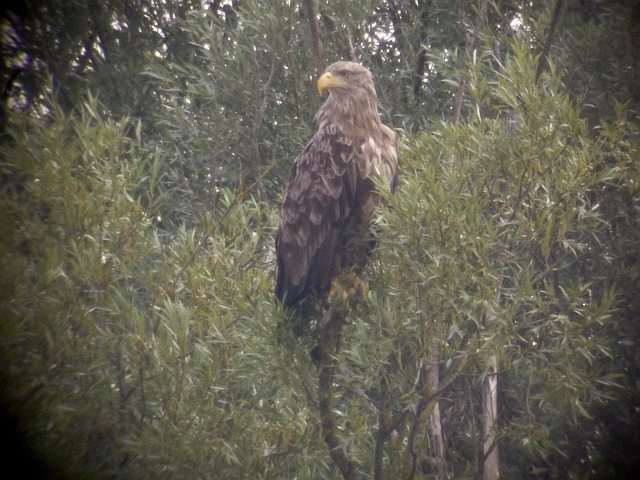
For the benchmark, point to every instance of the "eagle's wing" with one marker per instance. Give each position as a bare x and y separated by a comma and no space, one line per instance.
318,200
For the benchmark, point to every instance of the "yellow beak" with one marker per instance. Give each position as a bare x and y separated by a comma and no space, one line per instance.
328,80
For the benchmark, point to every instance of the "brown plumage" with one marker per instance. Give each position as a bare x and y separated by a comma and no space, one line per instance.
331,196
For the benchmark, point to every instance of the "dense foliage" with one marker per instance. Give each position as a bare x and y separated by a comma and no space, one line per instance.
142,159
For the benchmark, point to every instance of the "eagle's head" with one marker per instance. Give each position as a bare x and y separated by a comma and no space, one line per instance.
352,103
346,78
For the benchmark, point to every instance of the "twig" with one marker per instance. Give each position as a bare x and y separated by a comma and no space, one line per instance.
306,388
261,105
470,46
215,226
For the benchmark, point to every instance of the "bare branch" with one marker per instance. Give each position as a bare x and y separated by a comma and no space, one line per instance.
318,50
543,62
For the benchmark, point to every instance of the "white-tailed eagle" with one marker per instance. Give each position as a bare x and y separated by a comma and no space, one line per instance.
331,194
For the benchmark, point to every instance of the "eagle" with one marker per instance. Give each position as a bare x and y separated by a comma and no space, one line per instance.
332,191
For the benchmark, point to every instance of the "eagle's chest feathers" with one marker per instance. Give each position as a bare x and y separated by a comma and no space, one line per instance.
376,160
370,158
371,167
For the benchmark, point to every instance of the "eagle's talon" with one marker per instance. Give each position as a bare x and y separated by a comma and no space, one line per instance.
349,287
333,290
345,298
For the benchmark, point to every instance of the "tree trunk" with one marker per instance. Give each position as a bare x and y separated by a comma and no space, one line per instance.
435,424
491,459
328,344
491,464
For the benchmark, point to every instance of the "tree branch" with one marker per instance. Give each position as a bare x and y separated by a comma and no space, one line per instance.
421,60
318,51
330,327
543,62
394,15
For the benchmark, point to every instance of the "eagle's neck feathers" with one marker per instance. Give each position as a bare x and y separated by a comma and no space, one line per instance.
354,113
